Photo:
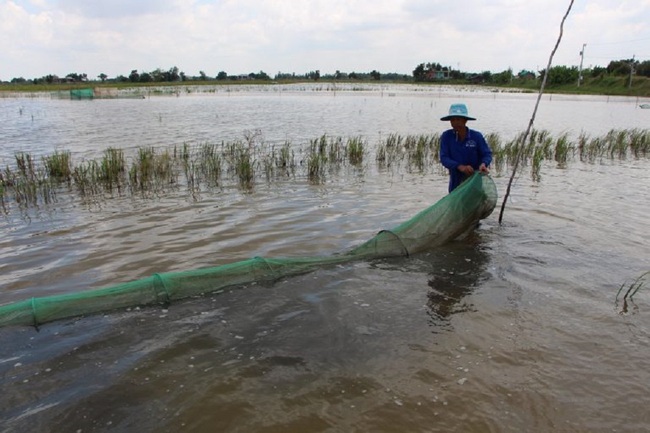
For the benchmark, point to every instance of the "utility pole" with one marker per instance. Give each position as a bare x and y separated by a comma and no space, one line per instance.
582,57
629,84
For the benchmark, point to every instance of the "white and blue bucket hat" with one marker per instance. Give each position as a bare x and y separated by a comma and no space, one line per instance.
457,110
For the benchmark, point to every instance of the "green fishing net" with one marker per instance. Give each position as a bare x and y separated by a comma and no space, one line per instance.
442,222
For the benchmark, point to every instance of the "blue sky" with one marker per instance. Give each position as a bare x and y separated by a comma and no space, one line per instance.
40,37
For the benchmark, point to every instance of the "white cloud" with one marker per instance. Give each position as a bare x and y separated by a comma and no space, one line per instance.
40,37
112,9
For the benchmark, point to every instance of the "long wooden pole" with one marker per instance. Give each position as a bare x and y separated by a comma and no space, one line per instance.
520,145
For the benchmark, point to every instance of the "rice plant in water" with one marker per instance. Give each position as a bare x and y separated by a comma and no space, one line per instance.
286,162
639,142
618,144
243,164
590,148
498,151
85,177
29,183
317,159
164,171
141,171
389,151
25,164
417,150
59,165
536,167
154,170
210,163
268,161
563,149
336,151
112,168
355,150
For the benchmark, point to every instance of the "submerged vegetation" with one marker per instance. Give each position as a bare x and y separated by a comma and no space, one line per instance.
248,162
630,291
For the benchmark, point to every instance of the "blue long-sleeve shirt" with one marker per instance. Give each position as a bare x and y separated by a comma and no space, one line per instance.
473,150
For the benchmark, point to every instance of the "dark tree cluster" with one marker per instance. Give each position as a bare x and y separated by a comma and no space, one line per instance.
623,67
423,73
72,77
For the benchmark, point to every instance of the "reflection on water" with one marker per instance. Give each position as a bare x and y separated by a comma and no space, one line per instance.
463,270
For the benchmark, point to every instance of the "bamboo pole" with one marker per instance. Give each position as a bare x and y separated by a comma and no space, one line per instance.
520,146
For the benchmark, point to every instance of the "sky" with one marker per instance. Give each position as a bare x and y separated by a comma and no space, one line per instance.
114,37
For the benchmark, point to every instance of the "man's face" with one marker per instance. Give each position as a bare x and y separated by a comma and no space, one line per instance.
458,123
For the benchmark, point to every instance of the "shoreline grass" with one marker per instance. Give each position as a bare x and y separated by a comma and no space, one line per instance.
245,163
603,85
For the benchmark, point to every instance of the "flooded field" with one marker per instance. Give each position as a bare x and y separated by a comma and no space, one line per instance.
517,328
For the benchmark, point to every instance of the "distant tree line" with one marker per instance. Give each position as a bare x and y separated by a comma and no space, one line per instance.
432,72
423,73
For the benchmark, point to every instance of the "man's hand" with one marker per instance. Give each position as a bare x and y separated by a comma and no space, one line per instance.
467,170
483,169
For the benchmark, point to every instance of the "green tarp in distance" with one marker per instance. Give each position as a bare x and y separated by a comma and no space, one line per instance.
82,93
442,222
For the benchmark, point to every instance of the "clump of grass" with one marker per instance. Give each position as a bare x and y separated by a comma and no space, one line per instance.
315,167
510,149
164,168
141,171
269,164
286,161
590,148
8,178
59,165
210,163
25,191
355,150
617,144
421,149
193,177
563,149
336,151
153,172
25,164
544,146
153,169
320,146
85,177
112,168
498,151
29,183
639,142
389,151
242,163
184,153
317,159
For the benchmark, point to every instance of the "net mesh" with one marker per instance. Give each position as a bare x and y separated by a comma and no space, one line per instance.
82,93
442,222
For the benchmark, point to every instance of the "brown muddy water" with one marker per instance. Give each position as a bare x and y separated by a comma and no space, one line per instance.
514,329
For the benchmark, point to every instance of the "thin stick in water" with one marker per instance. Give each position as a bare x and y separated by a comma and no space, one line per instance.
520,146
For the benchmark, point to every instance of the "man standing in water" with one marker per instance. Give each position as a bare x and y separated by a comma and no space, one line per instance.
463,150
